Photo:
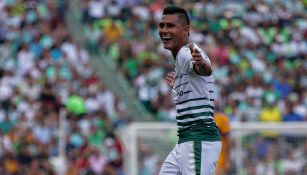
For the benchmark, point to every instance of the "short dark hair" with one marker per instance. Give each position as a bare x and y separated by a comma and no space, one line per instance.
171,10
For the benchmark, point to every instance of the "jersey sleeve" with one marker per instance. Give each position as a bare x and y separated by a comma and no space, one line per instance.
186,62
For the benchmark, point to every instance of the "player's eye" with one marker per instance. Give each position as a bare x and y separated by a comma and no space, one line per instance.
161,25
170,25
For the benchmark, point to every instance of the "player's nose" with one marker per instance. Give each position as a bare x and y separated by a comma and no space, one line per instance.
163,29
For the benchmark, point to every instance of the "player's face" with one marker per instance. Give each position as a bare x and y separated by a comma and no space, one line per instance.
172,33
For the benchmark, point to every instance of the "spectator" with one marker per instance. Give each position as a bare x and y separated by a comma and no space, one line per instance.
290,115
257,50
41,69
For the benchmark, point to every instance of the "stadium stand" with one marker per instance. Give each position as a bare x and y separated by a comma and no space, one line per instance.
258,50
43,70
254,47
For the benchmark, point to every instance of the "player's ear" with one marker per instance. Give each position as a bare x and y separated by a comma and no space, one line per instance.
186,30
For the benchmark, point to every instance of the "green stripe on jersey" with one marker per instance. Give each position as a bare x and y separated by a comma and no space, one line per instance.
195,107
182,117
204,130
194,99
197,154
200,125
185,124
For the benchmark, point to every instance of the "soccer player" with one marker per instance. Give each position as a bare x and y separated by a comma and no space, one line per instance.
199,144
223,125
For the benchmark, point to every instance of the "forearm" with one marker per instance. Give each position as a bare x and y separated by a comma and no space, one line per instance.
203,69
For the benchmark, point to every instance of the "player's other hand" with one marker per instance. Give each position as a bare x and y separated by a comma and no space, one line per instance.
170,79
197,59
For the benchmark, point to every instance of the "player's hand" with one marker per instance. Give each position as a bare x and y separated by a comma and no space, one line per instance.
200,65
197,59
170,79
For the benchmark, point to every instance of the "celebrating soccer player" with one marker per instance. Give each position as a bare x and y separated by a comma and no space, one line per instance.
192,82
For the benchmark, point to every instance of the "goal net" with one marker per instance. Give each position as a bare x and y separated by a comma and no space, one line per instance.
256,148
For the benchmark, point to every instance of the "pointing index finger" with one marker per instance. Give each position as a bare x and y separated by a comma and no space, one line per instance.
196,50
191,47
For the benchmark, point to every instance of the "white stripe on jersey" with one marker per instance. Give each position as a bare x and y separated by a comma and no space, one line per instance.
191,158
195,111
192,103
184,127
193,119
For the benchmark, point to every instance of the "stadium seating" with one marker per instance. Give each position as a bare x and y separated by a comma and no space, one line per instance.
42,71
254,48
257,49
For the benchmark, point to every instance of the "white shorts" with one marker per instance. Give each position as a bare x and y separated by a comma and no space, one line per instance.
192,158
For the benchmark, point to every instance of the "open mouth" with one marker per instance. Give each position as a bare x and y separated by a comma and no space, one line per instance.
166,38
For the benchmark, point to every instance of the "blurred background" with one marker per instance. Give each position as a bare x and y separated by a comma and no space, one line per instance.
77,77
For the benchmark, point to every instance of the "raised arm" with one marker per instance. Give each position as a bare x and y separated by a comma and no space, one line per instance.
200,65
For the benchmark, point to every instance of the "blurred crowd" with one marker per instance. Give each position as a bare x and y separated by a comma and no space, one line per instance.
257,48
43,71
283,156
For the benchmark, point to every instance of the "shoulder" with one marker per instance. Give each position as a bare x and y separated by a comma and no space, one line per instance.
184,53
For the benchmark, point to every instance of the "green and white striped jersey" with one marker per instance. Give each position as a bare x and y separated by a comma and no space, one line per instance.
194,98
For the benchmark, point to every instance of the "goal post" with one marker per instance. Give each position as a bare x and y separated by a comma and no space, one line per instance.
147,144
157,136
